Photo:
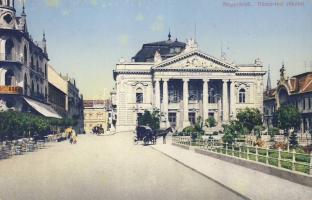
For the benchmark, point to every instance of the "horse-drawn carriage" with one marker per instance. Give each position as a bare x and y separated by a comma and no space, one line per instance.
149,136
145,134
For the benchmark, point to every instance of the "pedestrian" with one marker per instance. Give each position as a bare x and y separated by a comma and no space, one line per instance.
74,136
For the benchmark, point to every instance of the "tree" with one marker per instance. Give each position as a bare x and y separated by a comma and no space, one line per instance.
286,117
233,130
210,122
150,119
249,118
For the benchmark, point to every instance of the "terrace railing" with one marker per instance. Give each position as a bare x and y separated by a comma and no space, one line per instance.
289,160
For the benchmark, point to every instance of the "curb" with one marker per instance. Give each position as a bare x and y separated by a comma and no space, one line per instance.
199,172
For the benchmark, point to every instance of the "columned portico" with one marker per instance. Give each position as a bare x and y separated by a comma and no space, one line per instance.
232,100
186,121
165,103
225,102
186,86
205,99
157,94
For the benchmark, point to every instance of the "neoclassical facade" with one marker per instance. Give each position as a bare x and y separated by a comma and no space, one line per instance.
184,83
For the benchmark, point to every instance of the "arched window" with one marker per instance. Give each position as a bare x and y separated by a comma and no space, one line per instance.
139,95
9,77
8,2
32,62
242,95
32,88
45,70
37,66
25,85
9,45
0,2
38,89
25,55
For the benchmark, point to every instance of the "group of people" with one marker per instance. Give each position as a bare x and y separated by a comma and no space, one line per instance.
98,130
72,136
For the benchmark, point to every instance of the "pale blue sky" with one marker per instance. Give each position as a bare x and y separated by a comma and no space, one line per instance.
87,37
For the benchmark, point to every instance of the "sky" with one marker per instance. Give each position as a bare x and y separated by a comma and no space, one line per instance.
86,38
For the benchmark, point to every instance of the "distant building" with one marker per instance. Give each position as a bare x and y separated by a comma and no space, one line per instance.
74,103
23,65
295,91
95,114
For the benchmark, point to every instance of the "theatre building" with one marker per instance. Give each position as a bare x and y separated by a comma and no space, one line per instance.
184,83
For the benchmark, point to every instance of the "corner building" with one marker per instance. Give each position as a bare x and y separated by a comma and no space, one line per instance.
23,65
184,83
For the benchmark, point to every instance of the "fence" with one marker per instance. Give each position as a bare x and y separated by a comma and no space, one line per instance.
290,160
19,147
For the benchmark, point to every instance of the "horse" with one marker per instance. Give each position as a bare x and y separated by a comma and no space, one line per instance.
163,133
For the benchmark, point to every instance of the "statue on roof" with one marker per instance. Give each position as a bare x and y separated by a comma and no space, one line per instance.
282,73
191,45
157,57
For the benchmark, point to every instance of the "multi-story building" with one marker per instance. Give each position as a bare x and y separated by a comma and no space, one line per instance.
95,114
296,91
57,91
74,103
183,83
23,65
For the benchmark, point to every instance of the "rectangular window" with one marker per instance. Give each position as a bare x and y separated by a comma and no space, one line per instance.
303,102
192,118
309,102
139,97
172,117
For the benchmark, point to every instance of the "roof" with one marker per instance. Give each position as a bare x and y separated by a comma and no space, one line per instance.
167,48
301,83
94,103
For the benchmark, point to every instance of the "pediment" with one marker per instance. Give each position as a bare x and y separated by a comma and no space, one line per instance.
195,60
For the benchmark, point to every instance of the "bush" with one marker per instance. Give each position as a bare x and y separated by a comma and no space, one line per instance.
14,125
281,145
273,131
260,143
210,122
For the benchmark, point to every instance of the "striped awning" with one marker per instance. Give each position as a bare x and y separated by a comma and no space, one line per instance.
43,109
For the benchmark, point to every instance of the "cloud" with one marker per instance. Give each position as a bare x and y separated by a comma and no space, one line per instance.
124,39
159,24
53,3
139,17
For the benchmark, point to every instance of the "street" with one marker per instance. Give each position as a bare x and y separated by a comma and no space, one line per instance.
103,167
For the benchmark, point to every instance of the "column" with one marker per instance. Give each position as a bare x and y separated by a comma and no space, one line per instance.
205,99
186,121
225,106
165,102
233,99
157,94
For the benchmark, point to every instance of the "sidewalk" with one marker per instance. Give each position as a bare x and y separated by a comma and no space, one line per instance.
247,182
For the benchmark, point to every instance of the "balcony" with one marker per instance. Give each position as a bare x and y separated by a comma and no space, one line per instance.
11,58
11,90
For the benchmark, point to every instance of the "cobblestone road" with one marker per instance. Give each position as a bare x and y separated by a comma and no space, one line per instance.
102,167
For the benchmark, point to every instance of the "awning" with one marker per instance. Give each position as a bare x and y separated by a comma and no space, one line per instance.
43,109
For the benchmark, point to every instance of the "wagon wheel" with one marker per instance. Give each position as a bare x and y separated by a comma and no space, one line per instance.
135,140
154,139
145,140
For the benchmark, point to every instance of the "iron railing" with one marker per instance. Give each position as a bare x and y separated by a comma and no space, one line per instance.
289,160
